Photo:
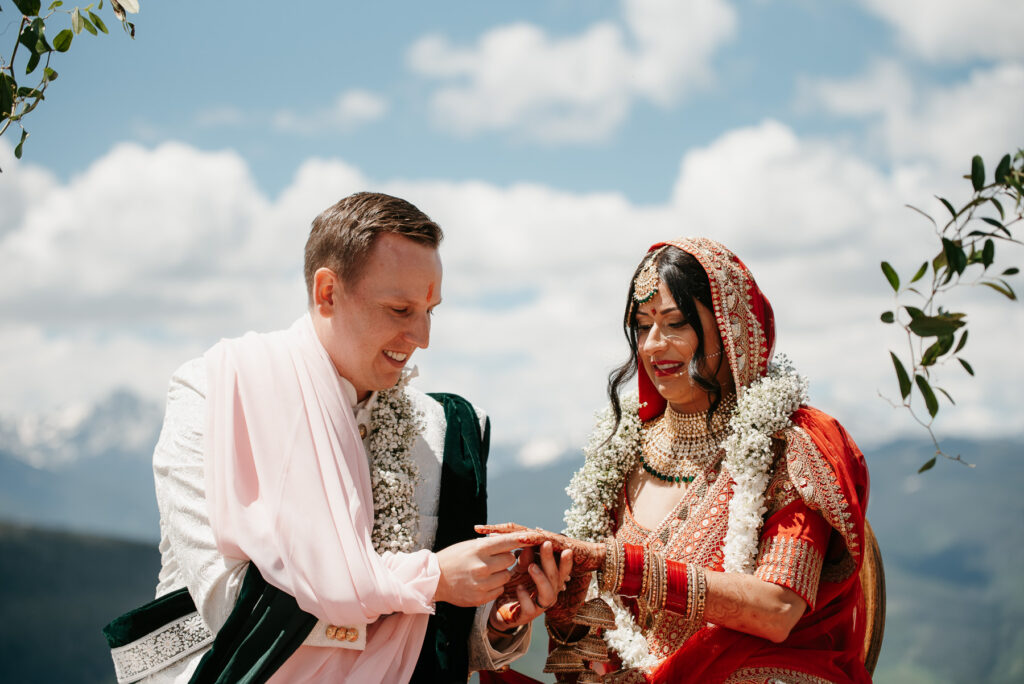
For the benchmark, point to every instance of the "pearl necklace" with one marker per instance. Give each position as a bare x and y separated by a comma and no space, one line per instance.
677,447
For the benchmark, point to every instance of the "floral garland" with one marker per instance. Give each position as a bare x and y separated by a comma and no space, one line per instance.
393,472
762,410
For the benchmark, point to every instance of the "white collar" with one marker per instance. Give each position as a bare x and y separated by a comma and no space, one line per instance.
349,389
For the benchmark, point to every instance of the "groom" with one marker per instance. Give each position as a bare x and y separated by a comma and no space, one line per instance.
316,513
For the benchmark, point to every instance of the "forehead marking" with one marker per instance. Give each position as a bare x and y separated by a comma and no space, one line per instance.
430,292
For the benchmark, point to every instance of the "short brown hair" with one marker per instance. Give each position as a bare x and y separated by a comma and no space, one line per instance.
343,234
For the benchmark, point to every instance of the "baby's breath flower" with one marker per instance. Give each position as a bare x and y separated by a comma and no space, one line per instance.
393,472
763,410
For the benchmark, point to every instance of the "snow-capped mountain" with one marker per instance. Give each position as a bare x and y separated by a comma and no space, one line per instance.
85,468
121,424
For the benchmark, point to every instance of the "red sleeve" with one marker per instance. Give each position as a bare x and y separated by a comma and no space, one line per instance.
792,550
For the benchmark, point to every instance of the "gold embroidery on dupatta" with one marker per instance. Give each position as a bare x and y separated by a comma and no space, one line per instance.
764,675
818,485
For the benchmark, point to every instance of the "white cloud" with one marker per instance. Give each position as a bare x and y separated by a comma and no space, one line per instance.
941,125
577,88
350,110
150,255
953,31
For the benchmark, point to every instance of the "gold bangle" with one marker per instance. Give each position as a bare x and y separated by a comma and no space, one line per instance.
659,584
691,592
645,576
702,594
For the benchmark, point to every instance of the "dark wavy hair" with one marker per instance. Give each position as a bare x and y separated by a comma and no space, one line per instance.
688,284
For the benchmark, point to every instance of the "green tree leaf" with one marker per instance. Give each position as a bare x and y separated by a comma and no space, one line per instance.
920,272
955,255
76,21
890,275
927,466
1013,270
949,207
997,224
999,207
925,389
32,63
8,86
915,313
901,376
1002,288
967,366
936,326
888,317
98,22
962,343
62,41
988,254
939,347
1003,170
88,26
17,150
30,8
977,173
947,395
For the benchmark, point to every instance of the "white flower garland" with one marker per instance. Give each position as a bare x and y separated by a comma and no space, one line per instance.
763,410
393,472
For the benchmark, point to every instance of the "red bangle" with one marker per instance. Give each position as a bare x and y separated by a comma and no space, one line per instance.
633,572
676,598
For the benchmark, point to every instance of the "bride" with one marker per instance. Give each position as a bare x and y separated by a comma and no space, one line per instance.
723,517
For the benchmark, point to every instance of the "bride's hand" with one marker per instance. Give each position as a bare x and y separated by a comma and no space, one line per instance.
587,556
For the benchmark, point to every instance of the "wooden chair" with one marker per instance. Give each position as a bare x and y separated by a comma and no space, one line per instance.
872,580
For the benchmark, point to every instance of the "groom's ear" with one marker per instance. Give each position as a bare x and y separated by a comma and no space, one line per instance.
327,287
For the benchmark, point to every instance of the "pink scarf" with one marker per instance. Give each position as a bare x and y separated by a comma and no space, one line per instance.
288,488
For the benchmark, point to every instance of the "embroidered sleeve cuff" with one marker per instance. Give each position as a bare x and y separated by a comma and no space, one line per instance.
792,563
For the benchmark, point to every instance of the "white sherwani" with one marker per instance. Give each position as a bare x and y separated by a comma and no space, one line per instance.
189,555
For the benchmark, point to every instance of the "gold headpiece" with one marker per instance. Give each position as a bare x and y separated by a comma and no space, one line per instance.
646,284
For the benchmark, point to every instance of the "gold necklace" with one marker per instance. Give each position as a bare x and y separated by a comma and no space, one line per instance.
677,447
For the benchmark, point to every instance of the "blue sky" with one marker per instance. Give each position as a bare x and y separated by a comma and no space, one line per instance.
169,182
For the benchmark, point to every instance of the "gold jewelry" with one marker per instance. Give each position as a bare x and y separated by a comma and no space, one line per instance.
560,640
611,571
646,284
657,589
679,447
696,594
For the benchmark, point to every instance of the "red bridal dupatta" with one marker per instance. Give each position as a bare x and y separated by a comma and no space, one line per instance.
830,475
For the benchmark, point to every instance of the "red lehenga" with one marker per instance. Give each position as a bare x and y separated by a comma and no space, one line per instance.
810,543
811,540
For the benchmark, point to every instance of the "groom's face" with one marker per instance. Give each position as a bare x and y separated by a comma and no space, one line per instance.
375,323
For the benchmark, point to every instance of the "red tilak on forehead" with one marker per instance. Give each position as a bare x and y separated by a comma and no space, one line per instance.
430,292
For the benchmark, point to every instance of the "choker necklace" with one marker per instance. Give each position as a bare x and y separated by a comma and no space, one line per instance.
677,447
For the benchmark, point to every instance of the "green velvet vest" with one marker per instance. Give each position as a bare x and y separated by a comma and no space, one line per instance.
266,625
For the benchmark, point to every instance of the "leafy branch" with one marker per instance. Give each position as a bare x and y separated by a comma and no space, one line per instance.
17,101
967,250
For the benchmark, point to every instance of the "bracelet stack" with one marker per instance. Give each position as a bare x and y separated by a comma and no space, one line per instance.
696,593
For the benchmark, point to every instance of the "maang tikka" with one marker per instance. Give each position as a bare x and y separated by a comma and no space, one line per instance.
646,284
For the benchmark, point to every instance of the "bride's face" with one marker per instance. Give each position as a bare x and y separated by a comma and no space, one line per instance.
667,342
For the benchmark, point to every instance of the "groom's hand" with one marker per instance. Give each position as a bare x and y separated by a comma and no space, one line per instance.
474,572
520,603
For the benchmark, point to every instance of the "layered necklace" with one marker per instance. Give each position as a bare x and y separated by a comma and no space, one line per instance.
679,447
